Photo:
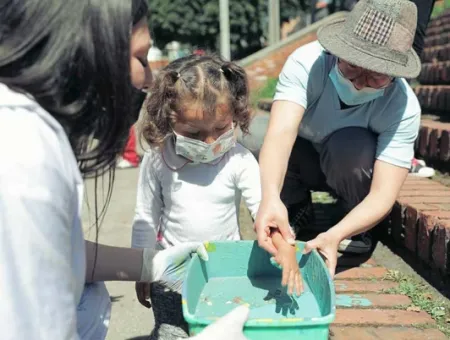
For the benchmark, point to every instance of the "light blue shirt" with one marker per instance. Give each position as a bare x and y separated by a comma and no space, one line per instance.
394,117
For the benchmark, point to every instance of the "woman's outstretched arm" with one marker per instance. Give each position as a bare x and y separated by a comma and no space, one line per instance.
107,263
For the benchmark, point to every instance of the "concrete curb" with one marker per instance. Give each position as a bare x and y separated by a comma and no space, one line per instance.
292,38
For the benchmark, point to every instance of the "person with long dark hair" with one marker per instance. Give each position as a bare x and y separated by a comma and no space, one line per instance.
66,75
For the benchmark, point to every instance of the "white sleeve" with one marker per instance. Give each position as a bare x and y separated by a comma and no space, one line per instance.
37,209
293,82
248,180
398,131
148,205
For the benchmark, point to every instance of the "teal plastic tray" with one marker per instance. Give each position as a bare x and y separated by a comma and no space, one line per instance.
241,273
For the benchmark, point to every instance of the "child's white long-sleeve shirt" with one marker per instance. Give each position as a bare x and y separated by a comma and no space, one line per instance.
178,203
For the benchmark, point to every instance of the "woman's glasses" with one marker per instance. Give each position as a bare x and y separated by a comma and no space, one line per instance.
372,79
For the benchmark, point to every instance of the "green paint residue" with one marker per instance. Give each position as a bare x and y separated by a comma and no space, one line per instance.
341,285
210,247
355,300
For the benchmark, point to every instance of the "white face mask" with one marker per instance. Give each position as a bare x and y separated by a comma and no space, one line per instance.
347,91
201,152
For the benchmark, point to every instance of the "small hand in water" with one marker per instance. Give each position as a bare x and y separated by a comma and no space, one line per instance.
292,278
229,327
284,303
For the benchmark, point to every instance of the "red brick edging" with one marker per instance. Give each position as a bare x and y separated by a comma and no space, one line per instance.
433,142
420,221
434,93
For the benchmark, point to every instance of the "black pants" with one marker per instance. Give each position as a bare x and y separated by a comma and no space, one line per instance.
344,165
424,9
167,310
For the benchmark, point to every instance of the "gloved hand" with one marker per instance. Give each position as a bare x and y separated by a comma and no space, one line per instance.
230,326
169,265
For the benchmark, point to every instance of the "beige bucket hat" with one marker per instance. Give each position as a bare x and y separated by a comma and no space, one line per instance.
377,35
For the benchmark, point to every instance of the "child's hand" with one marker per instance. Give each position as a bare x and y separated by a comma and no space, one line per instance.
143,293
292,277
287,260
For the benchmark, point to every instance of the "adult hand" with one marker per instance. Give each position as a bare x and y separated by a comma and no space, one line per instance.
327,245
272,213
230,326
169,265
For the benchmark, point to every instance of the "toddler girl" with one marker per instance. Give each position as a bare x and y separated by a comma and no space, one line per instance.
194,174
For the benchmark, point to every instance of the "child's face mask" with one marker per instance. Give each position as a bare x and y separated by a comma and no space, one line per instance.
201,152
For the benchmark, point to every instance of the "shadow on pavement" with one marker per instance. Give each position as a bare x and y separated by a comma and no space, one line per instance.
116,298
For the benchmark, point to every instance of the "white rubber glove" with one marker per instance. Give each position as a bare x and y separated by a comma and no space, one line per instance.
169,265
230,326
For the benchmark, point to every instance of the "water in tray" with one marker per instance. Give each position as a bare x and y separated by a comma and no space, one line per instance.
264,295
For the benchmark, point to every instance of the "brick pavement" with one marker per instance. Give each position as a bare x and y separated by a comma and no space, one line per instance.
366,311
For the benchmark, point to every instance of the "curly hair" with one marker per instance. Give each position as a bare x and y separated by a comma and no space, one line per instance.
205,80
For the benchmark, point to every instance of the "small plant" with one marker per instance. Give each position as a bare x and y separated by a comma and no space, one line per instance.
442,177
267,91
439,8
422,299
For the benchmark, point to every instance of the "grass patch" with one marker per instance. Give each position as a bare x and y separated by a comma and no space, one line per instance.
423,326
422,299
439,8
323,197
442,178
267,91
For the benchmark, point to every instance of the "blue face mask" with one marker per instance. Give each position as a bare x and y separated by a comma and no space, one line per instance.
348,93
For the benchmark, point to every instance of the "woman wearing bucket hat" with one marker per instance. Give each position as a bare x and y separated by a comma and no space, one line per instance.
343,118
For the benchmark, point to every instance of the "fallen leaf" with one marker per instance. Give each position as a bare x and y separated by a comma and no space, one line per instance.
428,296
413,309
